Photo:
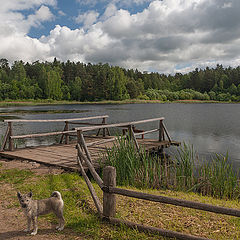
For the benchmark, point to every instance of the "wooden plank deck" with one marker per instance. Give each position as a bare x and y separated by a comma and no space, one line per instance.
65,155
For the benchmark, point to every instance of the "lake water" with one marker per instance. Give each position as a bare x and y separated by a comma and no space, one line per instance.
211,128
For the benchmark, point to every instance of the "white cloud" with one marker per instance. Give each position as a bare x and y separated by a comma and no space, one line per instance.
87,19
167,36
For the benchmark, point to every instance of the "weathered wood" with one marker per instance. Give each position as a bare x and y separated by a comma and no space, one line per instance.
175,201
125,124
162,232
41,134
82,143
56,120
146,132
6,137
161,132
91,189
132,136
90,166
166,131
11,143
109,199
105,141
103,129
86,123
66,128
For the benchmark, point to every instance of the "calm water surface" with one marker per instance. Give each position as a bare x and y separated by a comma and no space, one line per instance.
211,128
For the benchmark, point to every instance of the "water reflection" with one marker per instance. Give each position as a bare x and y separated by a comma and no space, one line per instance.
211,128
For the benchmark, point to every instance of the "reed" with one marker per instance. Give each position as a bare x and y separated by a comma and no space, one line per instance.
182,172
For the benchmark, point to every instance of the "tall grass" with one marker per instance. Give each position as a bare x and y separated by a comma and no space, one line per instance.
183,171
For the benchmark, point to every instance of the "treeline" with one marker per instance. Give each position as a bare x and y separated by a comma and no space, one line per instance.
94,82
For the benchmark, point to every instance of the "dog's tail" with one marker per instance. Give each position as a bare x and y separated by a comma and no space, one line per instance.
57,195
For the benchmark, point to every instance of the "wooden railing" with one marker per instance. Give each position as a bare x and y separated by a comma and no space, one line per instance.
107,210
9,137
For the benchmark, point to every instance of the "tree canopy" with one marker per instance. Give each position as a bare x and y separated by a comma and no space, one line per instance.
93,82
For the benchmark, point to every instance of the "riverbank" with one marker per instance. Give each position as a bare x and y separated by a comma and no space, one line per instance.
81,216
11,103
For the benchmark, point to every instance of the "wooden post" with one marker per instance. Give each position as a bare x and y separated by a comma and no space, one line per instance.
66,134
104,129
6,138
91,189
11,143
66,128
109,199
132,136
161,133
83,145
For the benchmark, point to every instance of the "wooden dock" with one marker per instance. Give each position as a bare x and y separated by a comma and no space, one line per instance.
65,154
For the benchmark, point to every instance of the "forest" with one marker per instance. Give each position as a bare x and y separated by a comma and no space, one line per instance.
76,81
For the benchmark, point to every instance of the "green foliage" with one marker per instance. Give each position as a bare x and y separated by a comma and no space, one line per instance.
183,172
88,82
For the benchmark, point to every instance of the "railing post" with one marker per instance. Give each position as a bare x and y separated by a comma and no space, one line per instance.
161,131
66,135
11,143
109,199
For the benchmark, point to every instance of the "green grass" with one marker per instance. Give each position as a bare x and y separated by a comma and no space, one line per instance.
82,219
15,176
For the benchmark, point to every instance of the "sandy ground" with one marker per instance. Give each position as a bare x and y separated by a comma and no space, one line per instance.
12,219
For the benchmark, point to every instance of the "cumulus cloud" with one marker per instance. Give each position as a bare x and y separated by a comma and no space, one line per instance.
87,19
167,36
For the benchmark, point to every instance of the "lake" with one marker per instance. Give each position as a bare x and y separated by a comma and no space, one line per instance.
210,127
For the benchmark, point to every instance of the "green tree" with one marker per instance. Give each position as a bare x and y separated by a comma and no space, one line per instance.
76,88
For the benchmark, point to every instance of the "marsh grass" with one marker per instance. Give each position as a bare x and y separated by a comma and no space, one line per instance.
183,171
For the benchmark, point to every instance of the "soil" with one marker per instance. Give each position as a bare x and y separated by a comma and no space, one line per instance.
12,219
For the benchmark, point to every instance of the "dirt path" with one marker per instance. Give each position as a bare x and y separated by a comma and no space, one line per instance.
12,219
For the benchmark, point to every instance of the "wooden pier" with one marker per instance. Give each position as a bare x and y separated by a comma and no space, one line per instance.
64,154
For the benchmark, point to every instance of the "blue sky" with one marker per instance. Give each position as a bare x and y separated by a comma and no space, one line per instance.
167,36
70,9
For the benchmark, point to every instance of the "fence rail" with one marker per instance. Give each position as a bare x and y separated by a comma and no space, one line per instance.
108,210
9,137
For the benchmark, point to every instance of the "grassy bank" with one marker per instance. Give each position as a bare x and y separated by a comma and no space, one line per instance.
81,216
9,103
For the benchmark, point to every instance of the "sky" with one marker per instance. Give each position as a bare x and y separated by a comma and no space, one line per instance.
166,36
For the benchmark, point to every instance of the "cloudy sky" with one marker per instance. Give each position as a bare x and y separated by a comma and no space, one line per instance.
166,36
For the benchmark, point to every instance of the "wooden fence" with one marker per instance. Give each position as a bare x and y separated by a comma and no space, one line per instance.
9,137
107,210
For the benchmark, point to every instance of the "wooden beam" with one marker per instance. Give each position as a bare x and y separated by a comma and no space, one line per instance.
132,136
82,142
175,201
146,132
162,232
41,134
90,166
166,131
6,137
124,124
91,189
11,143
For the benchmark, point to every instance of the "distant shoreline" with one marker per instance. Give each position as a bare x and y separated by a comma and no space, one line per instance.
12,103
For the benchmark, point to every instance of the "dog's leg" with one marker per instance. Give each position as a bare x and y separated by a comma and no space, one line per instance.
28,224
35,227
61,219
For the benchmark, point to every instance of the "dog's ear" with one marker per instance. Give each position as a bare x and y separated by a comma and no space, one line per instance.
19,195
30,194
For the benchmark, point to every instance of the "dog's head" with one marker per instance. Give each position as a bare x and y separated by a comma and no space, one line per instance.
24,199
